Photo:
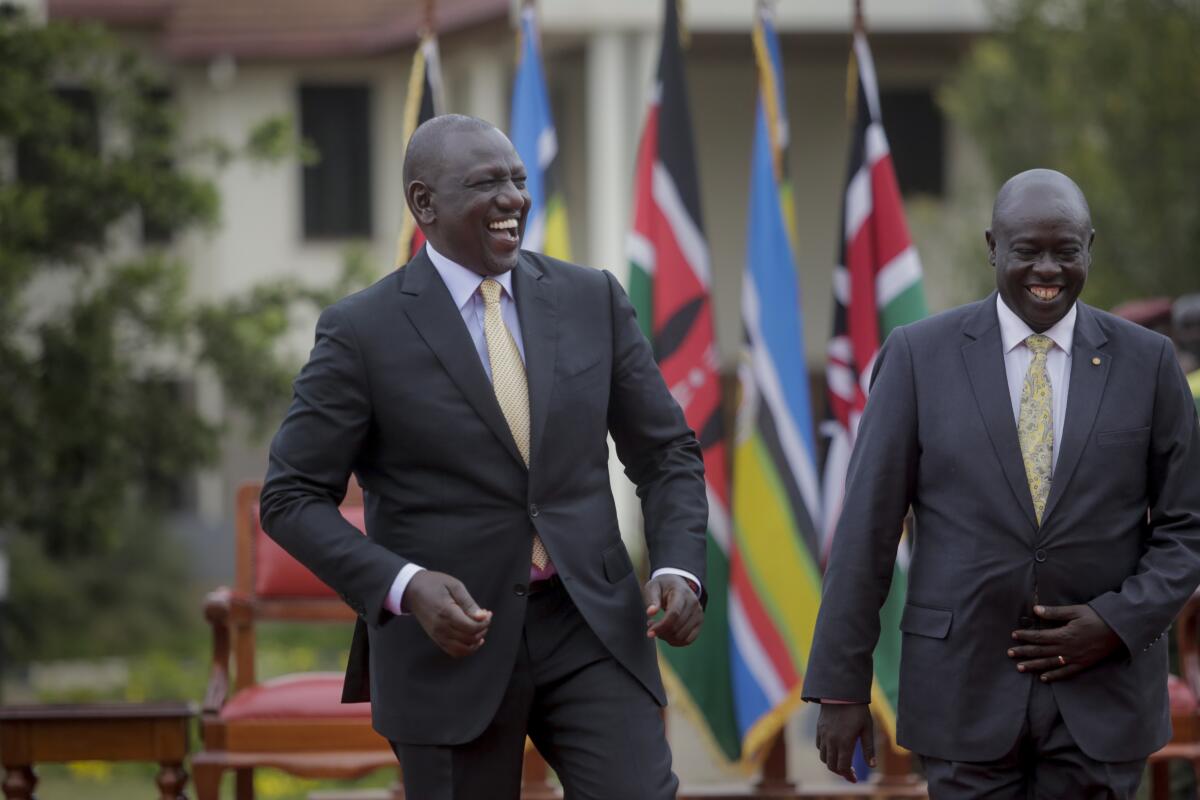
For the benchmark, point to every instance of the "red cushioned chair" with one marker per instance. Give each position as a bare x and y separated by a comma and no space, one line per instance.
296,722
1184,692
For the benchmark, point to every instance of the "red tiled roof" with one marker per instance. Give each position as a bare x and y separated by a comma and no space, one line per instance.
278,29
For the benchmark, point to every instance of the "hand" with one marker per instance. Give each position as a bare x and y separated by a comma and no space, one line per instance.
682,614
1084,640
839,727
444,608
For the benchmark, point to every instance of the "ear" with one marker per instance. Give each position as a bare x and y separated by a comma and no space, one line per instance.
420,203
991,243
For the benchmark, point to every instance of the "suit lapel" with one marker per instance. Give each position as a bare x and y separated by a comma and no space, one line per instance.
538,313
983,355
428,304
1083,401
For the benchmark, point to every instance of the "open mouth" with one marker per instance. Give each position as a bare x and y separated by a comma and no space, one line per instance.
506,230
1044,293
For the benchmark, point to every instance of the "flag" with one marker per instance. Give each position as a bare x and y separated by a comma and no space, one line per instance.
669,284
531,128
424,102
877,286
775,577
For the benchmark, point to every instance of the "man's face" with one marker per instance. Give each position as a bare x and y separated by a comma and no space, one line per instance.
1041,248
479,201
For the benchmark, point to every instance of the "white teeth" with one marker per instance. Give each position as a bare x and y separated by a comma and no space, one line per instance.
1044,292
504,224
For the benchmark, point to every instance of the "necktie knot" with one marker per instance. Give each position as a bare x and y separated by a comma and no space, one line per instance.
1039,344
490,289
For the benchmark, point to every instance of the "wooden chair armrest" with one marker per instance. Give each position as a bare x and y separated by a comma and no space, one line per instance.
223,608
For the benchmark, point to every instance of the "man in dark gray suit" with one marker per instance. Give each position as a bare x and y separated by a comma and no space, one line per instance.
1051,457
471,393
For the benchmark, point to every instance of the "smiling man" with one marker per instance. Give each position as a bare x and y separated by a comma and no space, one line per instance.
1048,452
471,393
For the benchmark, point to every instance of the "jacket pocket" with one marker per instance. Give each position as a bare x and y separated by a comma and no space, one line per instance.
1132,436
616,563
925,621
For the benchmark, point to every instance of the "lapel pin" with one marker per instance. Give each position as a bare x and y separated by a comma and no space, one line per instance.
1095,361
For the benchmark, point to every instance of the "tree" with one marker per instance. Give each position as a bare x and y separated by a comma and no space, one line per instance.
94,432
1105,91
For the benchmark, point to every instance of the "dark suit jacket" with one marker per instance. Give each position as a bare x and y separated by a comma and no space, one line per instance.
394,392
1121,531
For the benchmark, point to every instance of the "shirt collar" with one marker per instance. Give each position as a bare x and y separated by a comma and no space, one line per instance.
462,282
1014,331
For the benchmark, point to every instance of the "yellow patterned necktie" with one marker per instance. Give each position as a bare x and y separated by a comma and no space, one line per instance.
509,383
1035,423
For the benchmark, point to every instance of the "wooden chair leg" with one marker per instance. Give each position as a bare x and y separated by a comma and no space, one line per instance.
1160,780
245,784
207,780
774,777
19,783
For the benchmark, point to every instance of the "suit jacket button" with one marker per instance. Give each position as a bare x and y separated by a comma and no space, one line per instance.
533,509
1039,556
520,590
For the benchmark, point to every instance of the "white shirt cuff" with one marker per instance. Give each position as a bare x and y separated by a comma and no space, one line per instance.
396,594
681,573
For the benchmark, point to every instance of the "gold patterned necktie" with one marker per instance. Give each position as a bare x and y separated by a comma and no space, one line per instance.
1035,423
509,383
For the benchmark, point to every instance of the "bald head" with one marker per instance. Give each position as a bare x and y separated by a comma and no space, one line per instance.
1040,245
465,186
1044,191
424,156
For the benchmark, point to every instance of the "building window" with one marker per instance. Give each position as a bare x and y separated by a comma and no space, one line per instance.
337,189
916,134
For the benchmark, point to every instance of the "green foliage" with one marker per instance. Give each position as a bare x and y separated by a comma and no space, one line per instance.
1105,91
98,337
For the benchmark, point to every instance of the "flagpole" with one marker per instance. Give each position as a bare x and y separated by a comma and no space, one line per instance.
860,24
430,16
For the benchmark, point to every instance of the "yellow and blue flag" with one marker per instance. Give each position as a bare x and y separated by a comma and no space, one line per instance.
531,129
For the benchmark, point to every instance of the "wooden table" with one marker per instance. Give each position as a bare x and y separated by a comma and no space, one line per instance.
102,732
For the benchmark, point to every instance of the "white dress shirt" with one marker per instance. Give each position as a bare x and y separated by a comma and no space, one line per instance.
1017,356
463,285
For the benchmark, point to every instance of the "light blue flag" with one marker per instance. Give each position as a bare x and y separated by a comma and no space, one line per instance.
531,128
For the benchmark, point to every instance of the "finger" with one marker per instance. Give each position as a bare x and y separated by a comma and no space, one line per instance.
868,743
692,631
1057,613
1045,636
667,625
1039,665
452,618
845,763
1061,673
467,603
1028,651
653,596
